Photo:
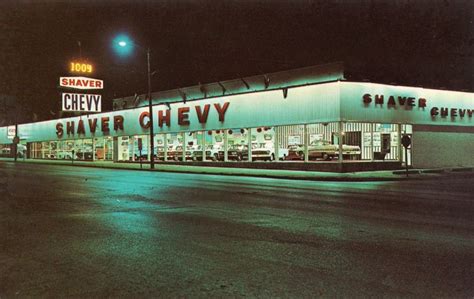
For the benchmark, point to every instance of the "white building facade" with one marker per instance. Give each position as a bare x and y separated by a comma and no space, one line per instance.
292,125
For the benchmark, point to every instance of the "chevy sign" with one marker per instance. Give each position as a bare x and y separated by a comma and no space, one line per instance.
81,102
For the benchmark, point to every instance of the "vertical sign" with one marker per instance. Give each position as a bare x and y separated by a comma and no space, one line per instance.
11,132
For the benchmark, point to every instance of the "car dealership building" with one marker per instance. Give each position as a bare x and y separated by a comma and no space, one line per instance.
309,118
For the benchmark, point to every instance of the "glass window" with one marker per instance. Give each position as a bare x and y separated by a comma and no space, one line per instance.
104,149
175,146
123,148
261,145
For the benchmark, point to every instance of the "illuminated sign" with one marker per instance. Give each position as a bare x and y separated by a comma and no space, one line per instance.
106,123
393,101
11,132
81,83
452,112
81,102
410,102
78,67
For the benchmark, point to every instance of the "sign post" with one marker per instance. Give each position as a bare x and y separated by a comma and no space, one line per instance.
16,140
140,147
406,141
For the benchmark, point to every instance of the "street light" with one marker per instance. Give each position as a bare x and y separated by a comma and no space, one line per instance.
125,47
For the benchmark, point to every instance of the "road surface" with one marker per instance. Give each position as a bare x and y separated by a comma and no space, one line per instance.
82,232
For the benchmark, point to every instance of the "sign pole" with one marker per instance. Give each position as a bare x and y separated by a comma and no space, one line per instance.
406,160
406,141
141,166
15,141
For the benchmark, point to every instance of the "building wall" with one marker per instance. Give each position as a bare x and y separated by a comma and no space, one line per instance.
353,107
437,147
307,104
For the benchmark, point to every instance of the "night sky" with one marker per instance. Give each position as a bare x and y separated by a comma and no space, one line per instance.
417,43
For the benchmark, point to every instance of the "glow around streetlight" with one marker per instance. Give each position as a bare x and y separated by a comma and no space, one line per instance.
122,45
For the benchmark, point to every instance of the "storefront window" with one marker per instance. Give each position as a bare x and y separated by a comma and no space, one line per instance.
159,146
175,146
104,149
65,148
123,148
83,150
237,141
261,145
5,150
213,146
291,142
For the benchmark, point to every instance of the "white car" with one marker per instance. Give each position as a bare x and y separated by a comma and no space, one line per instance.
324,150
264,151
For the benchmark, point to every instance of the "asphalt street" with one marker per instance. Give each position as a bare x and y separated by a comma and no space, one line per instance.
88,232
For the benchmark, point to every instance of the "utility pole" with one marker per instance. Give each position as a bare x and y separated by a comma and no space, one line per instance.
150,111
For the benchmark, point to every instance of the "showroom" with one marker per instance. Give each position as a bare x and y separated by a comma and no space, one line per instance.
301,119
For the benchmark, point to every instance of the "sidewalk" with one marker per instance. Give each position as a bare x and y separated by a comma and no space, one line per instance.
386,175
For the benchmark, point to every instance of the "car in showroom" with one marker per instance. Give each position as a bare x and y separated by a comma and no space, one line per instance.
322,150
264,151
212,152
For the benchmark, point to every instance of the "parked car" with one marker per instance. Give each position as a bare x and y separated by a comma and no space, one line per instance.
234,153
263,151
212,152
172,153
83,155
260,151
322,150
64,155
188,153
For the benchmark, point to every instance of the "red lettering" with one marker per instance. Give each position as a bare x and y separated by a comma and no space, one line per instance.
202,116
164,118
59,130
444,112
454,112
80,127
434,111
118,122
70,127
64,81
421,102
462,112
379,99
92,125
141,120
469,112
402,100
391,101
105,125
183,116
221,110
367,98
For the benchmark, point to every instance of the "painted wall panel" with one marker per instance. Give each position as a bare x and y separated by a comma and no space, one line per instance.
442,149
354,109
315,103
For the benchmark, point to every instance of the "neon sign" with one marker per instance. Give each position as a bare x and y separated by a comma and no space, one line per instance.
78,67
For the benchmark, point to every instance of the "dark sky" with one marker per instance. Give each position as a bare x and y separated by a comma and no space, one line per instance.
427,43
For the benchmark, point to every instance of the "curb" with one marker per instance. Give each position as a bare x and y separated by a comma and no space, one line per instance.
262,175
